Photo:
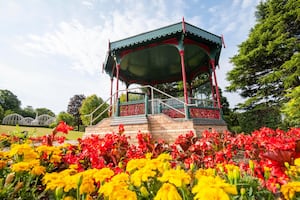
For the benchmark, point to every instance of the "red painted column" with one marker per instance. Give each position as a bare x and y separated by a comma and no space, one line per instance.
181,52
111,97
212,62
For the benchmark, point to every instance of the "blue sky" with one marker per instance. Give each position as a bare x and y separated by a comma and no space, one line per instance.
51,50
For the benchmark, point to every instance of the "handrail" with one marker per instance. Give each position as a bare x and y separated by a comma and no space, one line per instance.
102,113
185,105
96,109
171,107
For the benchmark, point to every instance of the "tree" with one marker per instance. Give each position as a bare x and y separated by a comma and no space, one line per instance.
260,116
9,101
28,112
266,65
42,111
89,105
66,117
74,106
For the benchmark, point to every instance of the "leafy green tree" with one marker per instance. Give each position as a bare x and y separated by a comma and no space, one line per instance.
66,117
28,112
42,111
260,116
89,105
9,101
267,63
74,106
131,97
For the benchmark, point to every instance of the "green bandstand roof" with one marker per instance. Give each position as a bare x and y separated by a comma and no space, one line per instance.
153,57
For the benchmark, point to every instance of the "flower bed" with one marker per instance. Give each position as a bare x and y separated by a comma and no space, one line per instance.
262,165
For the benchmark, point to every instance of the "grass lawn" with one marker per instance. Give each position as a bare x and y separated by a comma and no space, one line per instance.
37,131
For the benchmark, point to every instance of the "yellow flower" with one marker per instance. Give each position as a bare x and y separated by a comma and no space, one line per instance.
117,183
136,164
122,177
123,194
24,150
167,192
38,170
21,167
53,180
148,156
288,190
71,182
205,172
216,186
297,162
87,186
53,152
55,158
101,175
142,175
4,155
212,193
176,176
164,157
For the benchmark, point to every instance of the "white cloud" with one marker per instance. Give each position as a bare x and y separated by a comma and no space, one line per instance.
88,4
81,45
86,46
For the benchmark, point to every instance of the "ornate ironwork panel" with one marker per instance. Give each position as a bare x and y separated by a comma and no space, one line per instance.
132,109
205,113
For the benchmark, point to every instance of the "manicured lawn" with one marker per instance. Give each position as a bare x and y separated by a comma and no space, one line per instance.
37,131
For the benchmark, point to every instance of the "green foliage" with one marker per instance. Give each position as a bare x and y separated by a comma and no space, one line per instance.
131,97
260,116
268,63
66,117
9,101
42,111
88,106
291,108
28,112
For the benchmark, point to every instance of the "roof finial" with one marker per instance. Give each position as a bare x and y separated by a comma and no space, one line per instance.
183,25
222,37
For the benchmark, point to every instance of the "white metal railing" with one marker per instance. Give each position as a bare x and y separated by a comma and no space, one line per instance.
160,101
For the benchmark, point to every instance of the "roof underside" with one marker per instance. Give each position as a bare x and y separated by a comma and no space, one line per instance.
153,57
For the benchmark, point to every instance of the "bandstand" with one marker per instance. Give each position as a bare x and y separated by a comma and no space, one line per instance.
178,53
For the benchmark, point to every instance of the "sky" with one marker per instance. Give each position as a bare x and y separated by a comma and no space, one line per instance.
51,50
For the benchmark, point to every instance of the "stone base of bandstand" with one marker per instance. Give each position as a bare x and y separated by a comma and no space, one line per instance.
160,126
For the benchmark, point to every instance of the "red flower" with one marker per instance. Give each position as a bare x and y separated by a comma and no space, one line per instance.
63,127
121,129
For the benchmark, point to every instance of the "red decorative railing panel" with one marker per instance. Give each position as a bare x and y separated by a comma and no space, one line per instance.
205,113
132,109
173,113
